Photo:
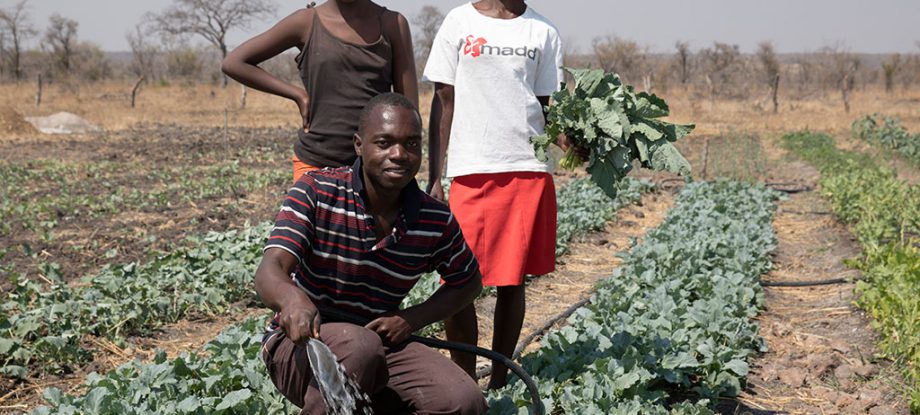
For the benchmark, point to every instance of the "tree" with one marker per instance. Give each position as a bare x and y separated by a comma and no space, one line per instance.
766,55
143,54
427,22
623,56
61,39
683,60
210,19
722,61
890,68
17,28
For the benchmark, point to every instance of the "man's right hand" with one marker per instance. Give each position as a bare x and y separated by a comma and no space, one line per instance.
299,319
436,190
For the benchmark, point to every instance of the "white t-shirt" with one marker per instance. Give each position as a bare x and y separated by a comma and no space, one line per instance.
498,69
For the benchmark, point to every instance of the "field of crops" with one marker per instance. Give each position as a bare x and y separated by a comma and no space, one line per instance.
103,262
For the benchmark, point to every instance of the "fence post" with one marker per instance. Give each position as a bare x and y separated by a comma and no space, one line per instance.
38,92
137,86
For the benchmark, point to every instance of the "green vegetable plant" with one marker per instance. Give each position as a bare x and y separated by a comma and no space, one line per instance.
673,323
889,134
616,124
884,214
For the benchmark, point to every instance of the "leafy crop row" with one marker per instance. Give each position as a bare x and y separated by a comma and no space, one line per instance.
674,322
44,326
66,190
889,134
885,215
227,377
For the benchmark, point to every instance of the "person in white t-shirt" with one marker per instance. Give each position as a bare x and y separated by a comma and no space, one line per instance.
494,64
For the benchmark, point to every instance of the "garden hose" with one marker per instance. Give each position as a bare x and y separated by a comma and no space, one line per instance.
536,404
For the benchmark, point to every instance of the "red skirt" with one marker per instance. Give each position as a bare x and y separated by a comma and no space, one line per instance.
509,221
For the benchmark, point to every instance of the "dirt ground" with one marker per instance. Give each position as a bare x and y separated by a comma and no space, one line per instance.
821,358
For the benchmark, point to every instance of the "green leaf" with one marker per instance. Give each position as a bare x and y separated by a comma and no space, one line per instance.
587,80
541,144
189,405
234,398
607,171
14,371
6,345
645,129
650,106
738,366
663,156
608,117
94,401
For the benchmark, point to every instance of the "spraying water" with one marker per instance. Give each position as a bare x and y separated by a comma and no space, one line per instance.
340,392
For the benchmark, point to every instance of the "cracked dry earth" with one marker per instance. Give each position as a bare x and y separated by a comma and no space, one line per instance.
822,357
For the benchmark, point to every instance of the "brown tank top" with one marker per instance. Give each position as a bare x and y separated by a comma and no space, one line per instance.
340,78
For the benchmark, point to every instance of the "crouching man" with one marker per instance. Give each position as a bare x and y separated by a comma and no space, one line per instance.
356,239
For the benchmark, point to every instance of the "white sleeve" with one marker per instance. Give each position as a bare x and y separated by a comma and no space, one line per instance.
442,61
550,74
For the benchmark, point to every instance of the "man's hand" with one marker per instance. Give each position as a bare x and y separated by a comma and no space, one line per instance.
303,104
436,190
565,143
299,319
393,329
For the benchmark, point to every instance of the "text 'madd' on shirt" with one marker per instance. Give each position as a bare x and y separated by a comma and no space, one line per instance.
498,69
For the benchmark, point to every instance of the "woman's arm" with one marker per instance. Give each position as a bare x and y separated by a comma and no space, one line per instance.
439,125
242,63
405,77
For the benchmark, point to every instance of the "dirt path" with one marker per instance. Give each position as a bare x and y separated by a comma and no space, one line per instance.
589,261
821,357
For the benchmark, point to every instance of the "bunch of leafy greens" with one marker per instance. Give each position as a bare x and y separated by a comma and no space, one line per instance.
616,124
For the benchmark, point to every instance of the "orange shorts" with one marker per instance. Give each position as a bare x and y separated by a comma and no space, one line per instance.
509,222
301,168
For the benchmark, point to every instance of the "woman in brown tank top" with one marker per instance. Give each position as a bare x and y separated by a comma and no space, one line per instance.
350,52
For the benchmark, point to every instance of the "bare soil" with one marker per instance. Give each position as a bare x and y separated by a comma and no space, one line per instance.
822,357
80,243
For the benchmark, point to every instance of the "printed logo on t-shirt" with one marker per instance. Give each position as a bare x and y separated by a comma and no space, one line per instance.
473,46
476,46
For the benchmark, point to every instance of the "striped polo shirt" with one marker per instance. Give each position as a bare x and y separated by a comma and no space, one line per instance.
325,224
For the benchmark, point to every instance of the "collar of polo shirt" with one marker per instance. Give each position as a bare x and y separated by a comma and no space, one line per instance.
409,198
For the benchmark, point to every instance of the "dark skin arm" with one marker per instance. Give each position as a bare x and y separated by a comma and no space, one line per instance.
405,78
300,319
442,115
297,315
242,63
396,327
293,32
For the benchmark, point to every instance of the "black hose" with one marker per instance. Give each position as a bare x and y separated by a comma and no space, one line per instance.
805,283
546,326
536,404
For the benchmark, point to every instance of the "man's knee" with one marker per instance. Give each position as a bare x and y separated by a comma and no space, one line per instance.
361,353
464,398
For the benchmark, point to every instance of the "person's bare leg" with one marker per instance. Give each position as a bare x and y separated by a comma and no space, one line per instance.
462,328
509,317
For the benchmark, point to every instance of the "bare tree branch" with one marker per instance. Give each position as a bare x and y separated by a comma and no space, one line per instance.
15,25
210,19
61,39
427,23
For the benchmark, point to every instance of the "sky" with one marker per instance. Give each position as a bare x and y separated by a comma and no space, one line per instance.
879,26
